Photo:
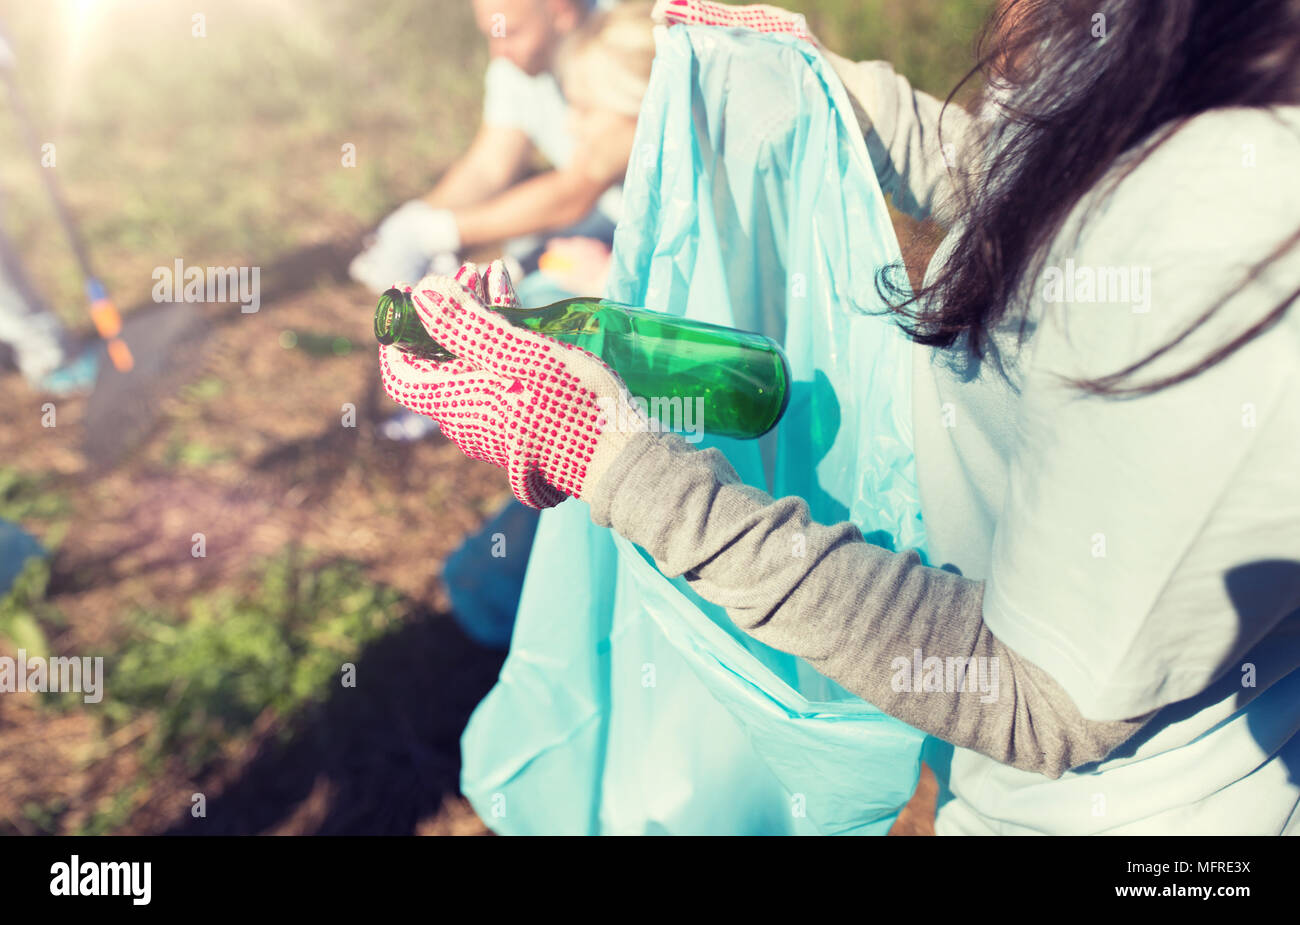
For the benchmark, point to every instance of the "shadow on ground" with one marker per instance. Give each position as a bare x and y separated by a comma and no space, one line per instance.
377,759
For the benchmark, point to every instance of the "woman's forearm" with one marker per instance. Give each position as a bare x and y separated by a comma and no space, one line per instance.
545,202
865,617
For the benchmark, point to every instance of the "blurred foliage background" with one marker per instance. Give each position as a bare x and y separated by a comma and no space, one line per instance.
226,148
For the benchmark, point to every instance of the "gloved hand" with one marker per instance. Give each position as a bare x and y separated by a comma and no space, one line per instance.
553,415
757,16
415,239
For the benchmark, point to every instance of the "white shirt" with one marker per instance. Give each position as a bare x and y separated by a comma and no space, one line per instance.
532,104
1125,544
535,106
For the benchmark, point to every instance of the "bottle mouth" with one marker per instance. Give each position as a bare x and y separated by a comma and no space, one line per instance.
388,316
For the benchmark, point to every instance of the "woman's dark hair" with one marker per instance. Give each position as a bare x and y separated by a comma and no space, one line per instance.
1078,85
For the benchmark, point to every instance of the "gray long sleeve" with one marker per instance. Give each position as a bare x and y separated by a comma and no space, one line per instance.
858,613
905,136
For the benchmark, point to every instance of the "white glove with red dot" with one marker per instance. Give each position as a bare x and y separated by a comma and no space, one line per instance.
553,415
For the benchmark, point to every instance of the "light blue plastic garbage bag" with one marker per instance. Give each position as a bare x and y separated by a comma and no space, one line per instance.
628,704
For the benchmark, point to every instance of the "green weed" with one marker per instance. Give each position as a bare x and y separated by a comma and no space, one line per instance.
279,648
25,496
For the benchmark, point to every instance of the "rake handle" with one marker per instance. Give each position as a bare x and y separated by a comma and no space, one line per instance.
102,310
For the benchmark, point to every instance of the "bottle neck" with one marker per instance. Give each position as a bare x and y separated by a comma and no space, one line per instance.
397,321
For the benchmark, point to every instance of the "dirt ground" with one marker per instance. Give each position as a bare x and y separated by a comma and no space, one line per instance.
282,470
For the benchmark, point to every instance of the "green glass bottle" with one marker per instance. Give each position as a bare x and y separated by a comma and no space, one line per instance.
693,376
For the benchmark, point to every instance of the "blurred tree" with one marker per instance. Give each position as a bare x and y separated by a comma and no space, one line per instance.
928,41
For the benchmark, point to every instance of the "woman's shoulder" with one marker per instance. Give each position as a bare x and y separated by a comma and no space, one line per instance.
1234,158
1214,127
1226,181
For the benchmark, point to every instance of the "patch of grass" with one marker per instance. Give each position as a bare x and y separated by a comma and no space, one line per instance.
45,816
206,389
278,647
112,812
193,453
25,613
930,42
228,148
26,496
27,619
315,344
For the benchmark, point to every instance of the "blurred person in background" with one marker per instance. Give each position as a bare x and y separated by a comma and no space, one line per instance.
47,355
481,199
604,69
50,358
